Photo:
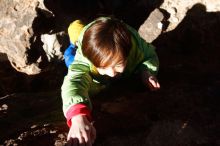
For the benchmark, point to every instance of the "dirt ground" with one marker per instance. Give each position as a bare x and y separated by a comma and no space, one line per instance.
184,112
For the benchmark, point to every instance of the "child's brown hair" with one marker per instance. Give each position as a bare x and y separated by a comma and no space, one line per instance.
106,42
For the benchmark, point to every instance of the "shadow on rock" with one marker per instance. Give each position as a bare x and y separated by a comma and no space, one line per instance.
133,12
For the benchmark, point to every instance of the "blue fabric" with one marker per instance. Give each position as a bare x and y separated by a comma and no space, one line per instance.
69,54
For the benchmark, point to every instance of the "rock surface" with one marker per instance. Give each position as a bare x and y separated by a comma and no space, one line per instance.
19,34
30,33
169,15
52,46
178,9
152,27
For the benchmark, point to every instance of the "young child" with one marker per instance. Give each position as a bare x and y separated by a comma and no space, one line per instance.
106,49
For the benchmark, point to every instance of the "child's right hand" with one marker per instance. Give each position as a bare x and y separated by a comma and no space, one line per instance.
81,133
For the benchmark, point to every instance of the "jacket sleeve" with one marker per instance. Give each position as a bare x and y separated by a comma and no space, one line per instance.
151,61
74,92
149,58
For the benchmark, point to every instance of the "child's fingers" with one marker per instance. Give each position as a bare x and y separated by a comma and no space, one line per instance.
70,136
152,82
158,85
86,136
81,139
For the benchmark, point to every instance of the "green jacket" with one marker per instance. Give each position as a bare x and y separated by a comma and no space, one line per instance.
83,79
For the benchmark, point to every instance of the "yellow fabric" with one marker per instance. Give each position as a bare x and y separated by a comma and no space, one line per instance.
74,30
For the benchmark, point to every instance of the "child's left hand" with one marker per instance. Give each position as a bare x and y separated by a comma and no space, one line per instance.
153,83
150,80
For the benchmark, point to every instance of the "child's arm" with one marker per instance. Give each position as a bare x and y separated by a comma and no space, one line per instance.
76,103
75,91
150,61
150,66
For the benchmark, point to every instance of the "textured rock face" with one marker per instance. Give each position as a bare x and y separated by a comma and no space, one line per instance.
52,46
171,14
16,31
29,38
177,9
19,36
152,27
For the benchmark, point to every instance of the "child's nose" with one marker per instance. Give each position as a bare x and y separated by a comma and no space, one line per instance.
112,72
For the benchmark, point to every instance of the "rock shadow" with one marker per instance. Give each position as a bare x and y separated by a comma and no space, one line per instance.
133,12
194,43
189,73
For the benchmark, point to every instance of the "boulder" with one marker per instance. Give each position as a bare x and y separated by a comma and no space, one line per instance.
18,38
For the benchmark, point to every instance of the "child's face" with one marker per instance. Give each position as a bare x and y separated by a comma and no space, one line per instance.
112,71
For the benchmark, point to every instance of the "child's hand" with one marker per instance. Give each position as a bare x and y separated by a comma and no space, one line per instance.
153,83
82,132
150,80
